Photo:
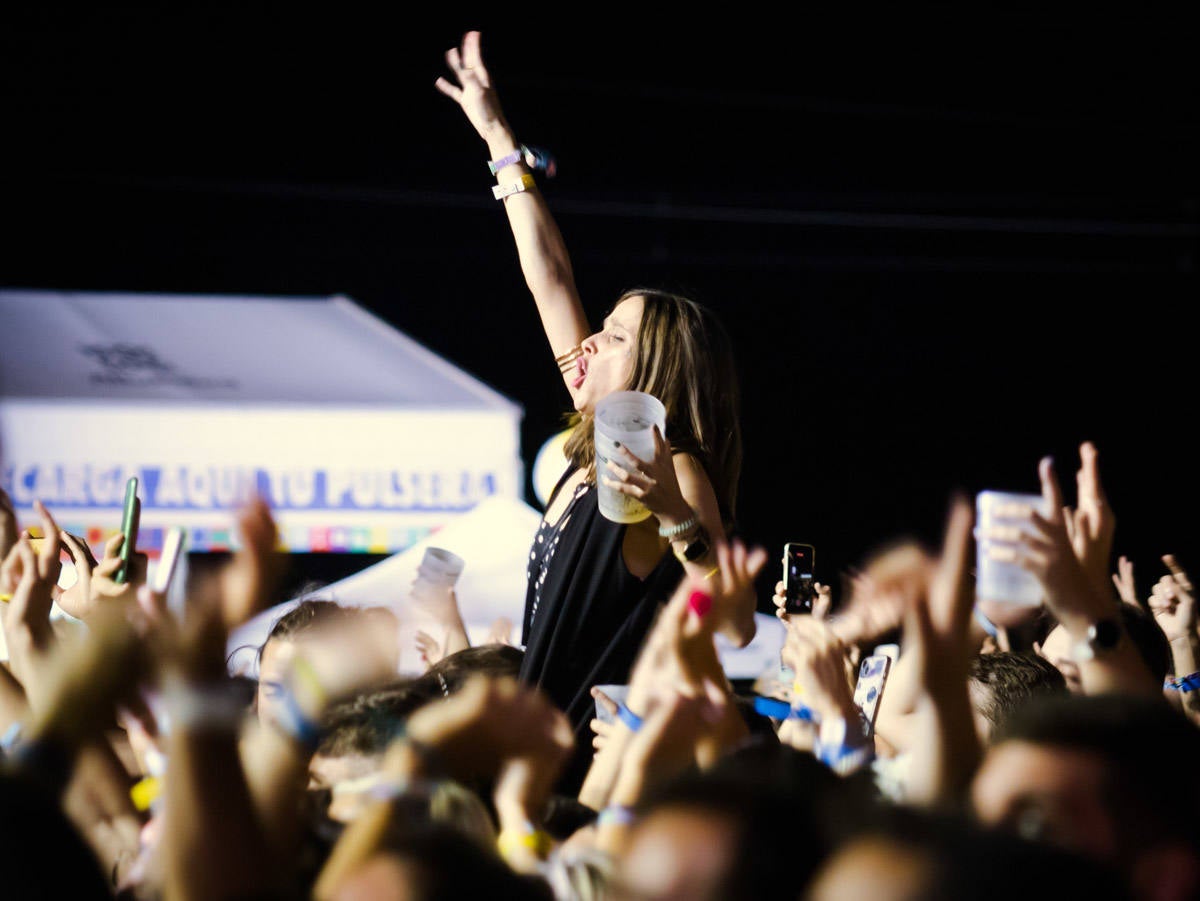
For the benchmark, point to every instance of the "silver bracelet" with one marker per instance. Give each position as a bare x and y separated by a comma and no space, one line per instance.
686,526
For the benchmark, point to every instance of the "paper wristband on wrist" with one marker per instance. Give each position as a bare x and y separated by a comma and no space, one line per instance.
986,624
527,837
203,708
632,721
1184,684
782,710
508,189
533,157
295,723
616,815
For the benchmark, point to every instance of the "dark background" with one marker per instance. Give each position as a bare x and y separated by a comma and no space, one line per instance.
945,243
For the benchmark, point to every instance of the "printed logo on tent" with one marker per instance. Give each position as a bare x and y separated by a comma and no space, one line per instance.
136,365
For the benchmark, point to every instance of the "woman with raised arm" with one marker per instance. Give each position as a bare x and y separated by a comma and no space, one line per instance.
595,585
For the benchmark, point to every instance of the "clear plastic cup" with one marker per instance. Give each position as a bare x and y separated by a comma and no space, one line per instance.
625,419
439,569
998,580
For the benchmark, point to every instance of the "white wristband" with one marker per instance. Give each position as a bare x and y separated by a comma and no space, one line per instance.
501,192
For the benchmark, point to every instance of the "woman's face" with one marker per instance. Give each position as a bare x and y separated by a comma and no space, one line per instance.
272,668
607,362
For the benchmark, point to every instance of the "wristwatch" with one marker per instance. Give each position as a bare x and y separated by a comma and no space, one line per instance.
1102,635
693,550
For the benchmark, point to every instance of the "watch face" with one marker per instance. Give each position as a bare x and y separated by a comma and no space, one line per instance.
697,549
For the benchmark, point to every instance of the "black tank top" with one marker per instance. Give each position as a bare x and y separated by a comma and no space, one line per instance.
586,615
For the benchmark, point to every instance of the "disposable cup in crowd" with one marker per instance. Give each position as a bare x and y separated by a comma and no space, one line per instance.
440,568
999,580
618,693
625,419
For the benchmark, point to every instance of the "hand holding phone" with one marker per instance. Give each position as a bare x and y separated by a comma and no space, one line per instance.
798,584
130,516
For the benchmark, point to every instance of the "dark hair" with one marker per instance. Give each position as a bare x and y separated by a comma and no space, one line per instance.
780,805
962,860
684,358
304,616
1010,680
311,614
445,864
1150,640
365,724
450,673
1148,750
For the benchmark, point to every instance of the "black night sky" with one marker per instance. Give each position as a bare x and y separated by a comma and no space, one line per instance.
945,243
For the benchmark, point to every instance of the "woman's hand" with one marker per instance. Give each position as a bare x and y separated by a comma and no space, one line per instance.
474,91
94,584
1174,605
653,482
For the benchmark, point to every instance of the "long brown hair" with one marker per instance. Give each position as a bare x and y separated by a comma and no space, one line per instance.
685,359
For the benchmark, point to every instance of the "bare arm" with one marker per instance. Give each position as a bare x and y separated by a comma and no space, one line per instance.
544,259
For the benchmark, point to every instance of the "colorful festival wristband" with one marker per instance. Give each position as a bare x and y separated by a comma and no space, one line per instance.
632,721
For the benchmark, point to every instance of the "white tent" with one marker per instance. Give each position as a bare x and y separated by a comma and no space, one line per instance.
494,541
360,438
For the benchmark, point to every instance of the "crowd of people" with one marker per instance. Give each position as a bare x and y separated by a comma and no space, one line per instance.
1003,750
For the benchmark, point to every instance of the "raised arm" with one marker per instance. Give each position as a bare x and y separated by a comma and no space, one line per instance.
543,255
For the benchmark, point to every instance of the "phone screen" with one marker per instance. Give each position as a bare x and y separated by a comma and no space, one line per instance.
798,577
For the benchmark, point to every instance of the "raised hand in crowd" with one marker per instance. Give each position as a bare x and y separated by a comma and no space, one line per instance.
94,583
938,644
1092,524
1124,583
1107,659
1173,603
678,655
31,577
439,605
476,733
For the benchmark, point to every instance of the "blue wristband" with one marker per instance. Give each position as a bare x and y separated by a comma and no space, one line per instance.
782,710
632,721
988,626
1185,684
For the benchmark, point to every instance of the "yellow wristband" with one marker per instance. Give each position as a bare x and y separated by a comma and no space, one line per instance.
712,572
535,840
145,792
506,190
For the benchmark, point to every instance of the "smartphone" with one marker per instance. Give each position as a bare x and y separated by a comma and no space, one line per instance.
169,559
798,577
129,528
872,676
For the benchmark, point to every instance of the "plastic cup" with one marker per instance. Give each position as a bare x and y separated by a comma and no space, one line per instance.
997,580
440,568
618,693
625,419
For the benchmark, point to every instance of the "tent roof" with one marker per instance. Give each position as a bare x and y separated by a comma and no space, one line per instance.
204,349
